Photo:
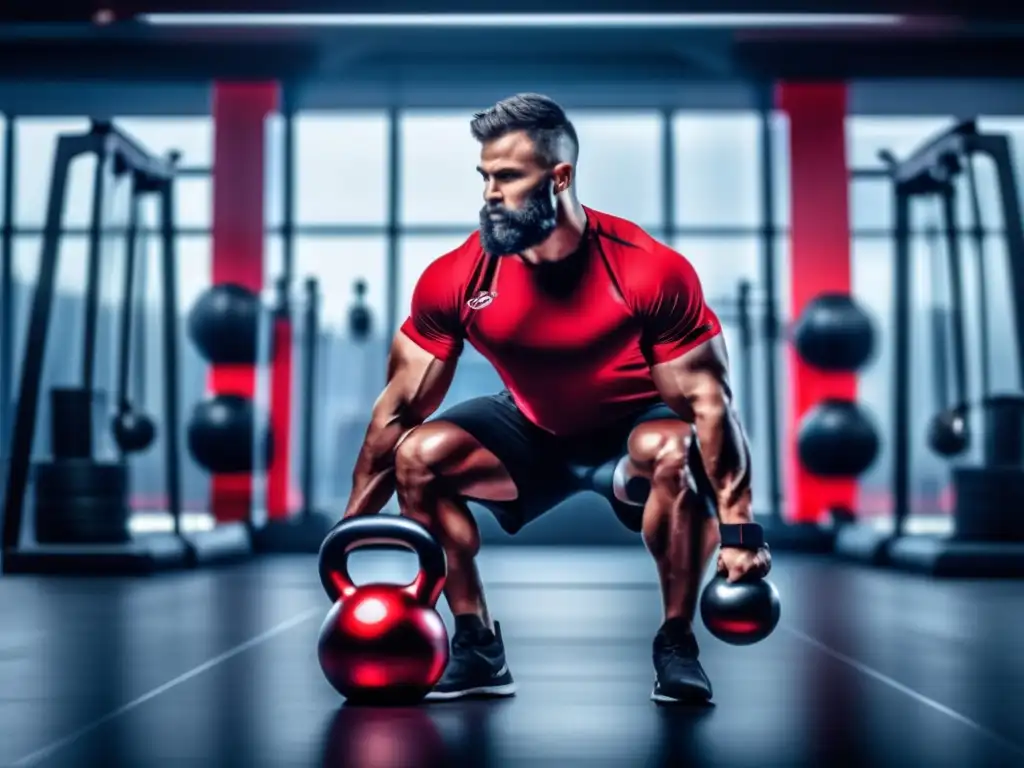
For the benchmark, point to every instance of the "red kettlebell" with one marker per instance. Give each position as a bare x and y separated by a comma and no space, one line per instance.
382,643
742,612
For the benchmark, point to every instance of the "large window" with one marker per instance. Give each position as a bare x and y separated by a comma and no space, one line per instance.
36,141
192,137
722,261
70,282
871,201
866,136
341,169
438,180
717,170
779,122
620,165
65,339
274,171
195,267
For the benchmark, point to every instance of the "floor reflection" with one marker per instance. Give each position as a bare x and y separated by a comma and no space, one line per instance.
464,734
410,737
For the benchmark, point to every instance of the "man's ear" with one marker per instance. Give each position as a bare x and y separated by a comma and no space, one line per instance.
563,175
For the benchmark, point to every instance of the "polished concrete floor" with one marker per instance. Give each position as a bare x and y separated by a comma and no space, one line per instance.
218,668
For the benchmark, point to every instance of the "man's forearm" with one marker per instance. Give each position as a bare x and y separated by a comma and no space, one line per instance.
726,457
373,479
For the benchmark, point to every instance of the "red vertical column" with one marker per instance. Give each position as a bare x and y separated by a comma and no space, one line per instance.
240,111
819,263
279,472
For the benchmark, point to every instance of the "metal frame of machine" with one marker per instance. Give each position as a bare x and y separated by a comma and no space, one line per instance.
931,171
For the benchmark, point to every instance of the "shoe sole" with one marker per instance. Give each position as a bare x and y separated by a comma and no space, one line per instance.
508,689
696,698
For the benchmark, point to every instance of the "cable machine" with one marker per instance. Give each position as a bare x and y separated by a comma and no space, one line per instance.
988,529
80,497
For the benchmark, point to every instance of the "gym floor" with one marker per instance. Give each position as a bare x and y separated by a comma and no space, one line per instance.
218,667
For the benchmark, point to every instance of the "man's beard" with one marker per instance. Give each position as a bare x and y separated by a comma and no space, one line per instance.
515,231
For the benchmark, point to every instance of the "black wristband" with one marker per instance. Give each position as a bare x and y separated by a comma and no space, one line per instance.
742,536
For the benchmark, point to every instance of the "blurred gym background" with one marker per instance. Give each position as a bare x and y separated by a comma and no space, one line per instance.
210,227
368,175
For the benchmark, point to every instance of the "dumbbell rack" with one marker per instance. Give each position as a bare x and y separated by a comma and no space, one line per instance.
94,538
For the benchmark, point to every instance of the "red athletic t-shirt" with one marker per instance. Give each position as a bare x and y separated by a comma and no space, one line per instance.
577,357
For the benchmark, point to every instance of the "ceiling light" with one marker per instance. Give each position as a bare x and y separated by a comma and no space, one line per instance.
532,20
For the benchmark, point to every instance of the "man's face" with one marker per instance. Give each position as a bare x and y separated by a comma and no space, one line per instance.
519,196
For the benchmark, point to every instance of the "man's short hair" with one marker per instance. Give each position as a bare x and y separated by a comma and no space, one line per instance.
539,117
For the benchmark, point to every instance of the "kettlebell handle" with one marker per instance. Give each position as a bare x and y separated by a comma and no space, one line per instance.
387,530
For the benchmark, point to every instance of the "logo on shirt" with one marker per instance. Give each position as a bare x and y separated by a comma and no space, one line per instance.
481,300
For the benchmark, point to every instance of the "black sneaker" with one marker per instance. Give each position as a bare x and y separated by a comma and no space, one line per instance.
679,677
477,665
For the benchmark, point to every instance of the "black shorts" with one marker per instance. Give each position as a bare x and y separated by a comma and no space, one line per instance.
539,462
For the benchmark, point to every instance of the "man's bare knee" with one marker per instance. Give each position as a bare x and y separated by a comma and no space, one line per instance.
434,447
420,458
658,443
427,465
663,449
669,471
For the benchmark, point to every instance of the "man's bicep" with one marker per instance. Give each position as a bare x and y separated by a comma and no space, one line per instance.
418,381
700,373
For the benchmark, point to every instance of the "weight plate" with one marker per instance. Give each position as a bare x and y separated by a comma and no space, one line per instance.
85,506
82,520
77,478
67,534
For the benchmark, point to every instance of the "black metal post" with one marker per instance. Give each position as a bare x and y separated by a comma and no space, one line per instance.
169,267
92,280
977,234
311,342
901,360
288,188
140,320
939,319
35,341
7,313
770,331
128,297
947,196
394,201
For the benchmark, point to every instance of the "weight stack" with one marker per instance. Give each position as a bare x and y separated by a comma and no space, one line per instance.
1004,431
989,504
79,501
71,422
